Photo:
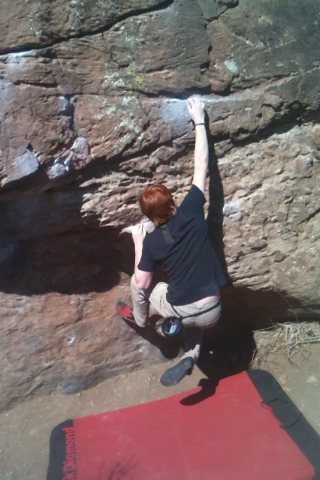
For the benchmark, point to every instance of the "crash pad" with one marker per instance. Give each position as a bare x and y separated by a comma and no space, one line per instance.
247,429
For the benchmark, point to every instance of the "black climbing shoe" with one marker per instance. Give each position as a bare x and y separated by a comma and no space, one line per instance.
175,374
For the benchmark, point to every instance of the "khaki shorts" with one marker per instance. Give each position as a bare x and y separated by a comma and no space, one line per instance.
159,304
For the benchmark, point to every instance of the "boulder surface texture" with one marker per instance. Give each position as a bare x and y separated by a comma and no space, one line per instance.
93,108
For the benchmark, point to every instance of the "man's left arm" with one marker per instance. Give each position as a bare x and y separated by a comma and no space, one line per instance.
143,279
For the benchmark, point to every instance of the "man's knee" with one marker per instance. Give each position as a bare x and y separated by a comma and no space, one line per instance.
159,292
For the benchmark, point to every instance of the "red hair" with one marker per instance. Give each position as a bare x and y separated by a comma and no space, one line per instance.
157,203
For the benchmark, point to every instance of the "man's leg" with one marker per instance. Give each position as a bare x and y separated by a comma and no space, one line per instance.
193,330
140,303
145,303
160,305
193,338
192,342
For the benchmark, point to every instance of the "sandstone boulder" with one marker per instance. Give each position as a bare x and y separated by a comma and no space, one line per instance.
93,108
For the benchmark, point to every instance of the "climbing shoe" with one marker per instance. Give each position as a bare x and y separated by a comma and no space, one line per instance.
125,311
175,374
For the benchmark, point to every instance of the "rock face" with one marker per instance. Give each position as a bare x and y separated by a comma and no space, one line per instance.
92,107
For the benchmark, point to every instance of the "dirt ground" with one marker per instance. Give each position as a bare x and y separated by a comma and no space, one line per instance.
25,429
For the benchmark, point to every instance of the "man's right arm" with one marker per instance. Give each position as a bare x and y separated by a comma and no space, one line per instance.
143,278
201,150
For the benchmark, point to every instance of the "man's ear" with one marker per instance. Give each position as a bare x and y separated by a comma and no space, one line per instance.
173,209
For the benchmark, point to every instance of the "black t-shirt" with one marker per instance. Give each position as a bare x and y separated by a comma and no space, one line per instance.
188,255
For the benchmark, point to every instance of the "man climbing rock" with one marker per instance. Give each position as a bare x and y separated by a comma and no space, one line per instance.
180,240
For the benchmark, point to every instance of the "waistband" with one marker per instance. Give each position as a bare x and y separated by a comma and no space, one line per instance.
197,314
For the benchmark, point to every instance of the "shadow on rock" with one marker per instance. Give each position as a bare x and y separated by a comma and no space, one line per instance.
222,355
70,263
169,347
229,348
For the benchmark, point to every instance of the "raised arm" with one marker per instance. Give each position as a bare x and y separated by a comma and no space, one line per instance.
201,149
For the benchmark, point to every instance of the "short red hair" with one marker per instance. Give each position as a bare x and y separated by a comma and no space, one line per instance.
157,203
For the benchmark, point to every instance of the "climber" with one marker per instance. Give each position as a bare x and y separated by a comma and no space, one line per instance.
179,239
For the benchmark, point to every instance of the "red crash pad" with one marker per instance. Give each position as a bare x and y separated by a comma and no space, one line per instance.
234,434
